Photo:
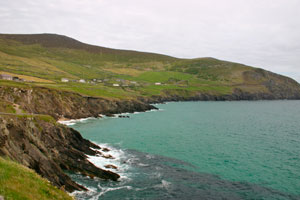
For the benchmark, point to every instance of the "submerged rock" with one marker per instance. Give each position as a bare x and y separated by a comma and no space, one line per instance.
123,116
108,156
111,167
105,149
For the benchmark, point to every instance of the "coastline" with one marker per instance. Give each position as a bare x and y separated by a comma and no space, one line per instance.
70,122
68,108
127,146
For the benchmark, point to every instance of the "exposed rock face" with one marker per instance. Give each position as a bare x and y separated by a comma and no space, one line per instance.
69,105
49,148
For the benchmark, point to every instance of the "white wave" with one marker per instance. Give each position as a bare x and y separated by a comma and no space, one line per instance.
93,193
156,175
127,113
74,121
164,184
148,156
120,160
152,110
106,189
90,192
142,165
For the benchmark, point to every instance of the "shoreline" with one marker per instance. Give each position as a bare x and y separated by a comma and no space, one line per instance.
69,108
70,122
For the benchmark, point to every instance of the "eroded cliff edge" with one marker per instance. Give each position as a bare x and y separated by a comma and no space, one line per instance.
49,148
38,142
63,104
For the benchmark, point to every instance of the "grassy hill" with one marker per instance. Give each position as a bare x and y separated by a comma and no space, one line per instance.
46,58
19,182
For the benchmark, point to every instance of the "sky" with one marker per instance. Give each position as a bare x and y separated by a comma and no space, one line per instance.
260,33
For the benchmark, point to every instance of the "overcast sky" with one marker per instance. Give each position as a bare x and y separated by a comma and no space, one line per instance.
261,33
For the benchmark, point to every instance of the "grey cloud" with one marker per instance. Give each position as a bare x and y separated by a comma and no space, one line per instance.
263,33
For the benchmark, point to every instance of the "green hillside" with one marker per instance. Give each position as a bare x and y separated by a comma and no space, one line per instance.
51,57
19,182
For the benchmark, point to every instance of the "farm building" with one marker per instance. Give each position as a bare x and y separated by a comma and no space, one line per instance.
6,77
65,80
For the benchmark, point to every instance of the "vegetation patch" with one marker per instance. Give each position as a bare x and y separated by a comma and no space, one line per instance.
20,183
48,59
6,107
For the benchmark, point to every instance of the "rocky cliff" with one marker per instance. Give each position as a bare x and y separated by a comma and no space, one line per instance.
38,142
49,148
61,104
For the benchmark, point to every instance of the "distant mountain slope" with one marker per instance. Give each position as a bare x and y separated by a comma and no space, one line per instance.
60,41
52,57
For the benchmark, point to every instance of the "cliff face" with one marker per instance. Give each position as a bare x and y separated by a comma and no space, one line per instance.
60,104
49,148
39,143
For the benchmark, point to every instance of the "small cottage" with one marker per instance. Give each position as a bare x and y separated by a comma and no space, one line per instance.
65,80
6,77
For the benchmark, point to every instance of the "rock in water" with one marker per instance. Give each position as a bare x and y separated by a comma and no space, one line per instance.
111,167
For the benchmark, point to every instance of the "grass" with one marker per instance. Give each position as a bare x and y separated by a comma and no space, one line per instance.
125,71
54,57
20,183
14,84
163,76
6,107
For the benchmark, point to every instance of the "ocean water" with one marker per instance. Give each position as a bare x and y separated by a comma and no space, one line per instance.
199,150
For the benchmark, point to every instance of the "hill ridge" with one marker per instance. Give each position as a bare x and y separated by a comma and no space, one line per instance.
118,73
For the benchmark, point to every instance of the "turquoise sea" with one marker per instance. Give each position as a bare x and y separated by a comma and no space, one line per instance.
199,150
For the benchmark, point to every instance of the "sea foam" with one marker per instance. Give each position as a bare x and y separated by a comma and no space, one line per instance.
74,121
120,160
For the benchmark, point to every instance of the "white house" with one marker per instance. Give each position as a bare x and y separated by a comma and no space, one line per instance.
157,83
81,81
116,85
6,77
65,80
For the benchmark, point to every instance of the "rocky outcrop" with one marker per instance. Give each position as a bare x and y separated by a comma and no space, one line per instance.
49,148
62,104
